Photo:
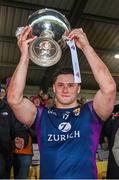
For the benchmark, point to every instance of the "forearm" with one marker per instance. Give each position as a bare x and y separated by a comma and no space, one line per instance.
99,69
18,80
105,97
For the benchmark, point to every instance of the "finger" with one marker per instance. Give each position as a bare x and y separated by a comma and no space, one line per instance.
66,33
31,34
24,35
21,34
26,42
31,39
81,30
77,30
23,42
75,33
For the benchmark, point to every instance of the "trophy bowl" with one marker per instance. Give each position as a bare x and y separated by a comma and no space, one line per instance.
49,26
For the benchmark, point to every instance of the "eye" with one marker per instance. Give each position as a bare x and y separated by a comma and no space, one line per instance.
71,84
60,84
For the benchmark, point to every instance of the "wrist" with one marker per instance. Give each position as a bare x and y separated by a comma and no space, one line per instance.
87,48
24,57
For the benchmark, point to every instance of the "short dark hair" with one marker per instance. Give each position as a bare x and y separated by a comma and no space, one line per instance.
66,70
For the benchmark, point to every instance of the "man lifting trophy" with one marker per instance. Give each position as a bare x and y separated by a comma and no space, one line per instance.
68,134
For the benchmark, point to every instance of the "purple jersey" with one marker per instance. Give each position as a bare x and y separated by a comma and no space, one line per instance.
68,141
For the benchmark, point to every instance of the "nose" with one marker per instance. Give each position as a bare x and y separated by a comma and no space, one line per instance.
65,89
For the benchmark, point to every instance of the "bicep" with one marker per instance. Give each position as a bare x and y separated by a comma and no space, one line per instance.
103,104
25,112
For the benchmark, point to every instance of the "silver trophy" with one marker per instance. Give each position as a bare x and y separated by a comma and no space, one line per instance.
49,26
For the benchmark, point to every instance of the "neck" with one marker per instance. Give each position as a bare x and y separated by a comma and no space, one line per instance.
66,106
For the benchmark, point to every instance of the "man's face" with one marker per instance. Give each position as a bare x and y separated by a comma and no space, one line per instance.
36,102
66,90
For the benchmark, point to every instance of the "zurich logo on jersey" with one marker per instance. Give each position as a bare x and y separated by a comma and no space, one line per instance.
64,127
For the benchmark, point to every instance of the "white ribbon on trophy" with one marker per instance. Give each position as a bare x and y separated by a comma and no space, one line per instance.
75,63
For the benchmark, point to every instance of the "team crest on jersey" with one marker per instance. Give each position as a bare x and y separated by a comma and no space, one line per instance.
76,111
64,127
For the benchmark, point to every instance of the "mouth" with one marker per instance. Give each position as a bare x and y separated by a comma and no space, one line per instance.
65,96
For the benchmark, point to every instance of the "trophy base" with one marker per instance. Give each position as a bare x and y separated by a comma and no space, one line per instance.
45,51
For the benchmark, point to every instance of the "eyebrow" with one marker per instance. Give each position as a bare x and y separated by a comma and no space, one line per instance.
65,83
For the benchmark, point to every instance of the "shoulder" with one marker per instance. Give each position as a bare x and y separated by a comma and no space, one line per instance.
89,106
40,111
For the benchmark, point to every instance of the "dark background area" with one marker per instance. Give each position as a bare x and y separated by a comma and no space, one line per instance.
98,18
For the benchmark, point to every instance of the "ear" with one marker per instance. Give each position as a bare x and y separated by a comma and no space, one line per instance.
53,88
78,89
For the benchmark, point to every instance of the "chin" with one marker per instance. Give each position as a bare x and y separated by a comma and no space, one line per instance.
66,102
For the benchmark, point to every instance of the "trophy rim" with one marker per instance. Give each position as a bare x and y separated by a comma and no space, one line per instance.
56,21
50,10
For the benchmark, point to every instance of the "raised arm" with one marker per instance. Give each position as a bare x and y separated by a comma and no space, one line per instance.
24,109
105,97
